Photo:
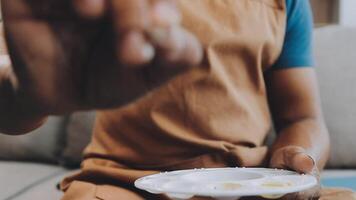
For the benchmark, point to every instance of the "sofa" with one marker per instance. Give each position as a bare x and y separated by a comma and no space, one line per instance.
32,165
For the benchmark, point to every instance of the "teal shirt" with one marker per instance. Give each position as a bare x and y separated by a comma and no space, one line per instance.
297,49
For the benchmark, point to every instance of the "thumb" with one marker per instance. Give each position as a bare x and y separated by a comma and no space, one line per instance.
294,158
90,8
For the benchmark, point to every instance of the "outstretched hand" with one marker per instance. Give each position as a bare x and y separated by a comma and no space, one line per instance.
71,55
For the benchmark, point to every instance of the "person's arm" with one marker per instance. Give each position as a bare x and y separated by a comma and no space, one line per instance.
294,99
15,118
302,135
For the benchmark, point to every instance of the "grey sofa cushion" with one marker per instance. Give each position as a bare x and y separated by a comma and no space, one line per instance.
17,178
44,190
78,135
43,144
335,50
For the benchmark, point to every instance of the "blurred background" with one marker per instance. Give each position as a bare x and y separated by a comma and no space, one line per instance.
328,12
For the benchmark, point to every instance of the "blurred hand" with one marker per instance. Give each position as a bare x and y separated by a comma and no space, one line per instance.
88,54
297,159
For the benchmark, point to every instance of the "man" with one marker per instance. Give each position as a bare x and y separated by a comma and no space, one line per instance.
98,54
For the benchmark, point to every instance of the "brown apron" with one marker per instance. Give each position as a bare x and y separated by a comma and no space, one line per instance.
216,116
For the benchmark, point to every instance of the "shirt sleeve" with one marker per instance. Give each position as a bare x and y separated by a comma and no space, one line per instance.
297,48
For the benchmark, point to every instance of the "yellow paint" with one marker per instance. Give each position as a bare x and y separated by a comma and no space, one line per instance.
231,186
276,184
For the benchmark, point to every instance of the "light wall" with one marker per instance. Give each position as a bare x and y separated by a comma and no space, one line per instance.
347,12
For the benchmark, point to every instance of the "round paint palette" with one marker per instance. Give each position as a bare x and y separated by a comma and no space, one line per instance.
226,183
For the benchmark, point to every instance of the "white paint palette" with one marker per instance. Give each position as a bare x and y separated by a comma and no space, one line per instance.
226,183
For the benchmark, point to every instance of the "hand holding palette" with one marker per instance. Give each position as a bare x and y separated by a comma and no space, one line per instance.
226,183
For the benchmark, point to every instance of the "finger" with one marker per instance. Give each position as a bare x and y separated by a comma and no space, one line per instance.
130,19
90,8
177,46
5,61
164,13
134,50
302,163
130,14
294,158
277,159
